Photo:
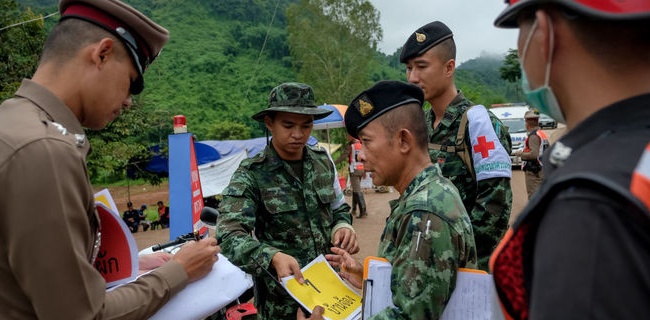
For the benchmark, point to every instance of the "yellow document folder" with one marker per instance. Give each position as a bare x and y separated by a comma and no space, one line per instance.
323,287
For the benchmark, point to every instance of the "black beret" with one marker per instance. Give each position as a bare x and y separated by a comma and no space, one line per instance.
424,39
379,99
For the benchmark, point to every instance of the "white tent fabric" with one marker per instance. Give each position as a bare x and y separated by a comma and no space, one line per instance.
215,175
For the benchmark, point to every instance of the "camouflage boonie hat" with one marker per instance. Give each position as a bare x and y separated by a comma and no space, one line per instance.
292,97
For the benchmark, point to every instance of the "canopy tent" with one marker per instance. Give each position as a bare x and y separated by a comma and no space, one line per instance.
332,121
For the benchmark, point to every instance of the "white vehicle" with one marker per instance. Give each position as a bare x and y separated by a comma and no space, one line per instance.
512,116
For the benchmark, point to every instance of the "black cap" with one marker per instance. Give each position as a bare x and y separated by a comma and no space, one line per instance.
379,99
423,39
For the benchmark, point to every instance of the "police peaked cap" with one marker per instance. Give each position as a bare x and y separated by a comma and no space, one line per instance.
143,38
376,101
423,39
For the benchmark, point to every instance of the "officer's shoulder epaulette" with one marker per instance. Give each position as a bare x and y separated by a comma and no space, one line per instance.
78,139
55,129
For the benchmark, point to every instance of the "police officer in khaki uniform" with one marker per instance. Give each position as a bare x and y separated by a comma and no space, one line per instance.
92,62
531,154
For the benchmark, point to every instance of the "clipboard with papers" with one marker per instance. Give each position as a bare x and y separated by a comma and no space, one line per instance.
474,297
377,294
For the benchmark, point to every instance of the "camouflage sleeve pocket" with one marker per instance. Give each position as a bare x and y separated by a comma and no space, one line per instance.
277,200
326,195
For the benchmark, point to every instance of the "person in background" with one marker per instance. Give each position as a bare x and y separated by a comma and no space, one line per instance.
284,207
163,215
580,249
468,142
146,224
534,146
131,217
428,234
355,167
92,62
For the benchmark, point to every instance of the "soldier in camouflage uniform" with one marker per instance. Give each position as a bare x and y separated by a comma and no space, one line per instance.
428,234
284,207
483,179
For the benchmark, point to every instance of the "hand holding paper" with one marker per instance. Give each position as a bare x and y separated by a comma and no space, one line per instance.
322,287
286,265
197,258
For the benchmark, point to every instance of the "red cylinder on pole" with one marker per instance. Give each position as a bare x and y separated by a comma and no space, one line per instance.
180,124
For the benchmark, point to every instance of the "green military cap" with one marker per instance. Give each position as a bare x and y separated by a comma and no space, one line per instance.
292,97
423,39
143,38
376,101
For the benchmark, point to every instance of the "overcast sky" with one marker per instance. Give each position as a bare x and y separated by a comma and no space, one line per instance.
471,21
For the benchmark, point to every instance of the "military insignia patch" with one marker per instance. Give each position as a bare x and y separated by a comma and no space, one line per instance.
420,37
365,107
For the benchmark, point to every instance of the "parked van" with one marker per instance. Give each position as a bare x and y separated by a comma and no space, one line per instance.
512,116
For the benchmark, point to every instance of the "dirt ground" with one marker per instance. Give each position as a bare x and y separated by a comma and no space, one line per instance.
368,229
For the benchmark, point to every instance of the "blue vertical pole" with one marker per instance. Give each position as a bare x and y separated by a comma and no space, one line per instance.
180,187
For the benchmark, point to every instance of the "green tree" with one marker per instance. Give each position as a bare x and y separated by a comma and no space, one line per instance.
333,44
226,130
124,145
20,45
510,70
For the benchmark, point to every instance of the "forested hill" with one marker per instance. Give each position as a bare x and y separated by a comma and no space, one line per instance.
224,57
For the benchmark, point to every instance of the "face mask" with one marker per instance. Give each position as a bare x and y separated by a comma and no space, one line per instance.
542,98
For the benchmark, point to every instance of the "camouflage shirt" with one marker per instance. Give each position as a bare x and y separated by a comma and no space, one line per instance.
489,201
427,237
285,213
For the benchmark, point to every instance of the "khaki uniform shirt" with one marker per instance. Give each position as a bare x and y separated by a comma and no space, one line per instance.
48,223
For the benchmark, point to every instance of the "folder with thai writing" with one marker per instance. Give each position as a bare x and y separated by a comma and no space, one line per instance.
323,287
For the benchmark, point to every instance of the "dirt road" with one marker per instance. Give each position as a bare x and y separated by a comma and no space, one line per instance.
368,229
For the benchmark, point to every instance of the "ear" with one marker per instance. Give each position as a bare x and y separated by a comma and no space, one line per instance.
405,140
544,36
101,51
268,122
450,67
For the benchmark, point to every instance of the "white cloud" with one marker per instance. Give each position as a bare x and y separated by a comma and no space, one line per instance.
471,21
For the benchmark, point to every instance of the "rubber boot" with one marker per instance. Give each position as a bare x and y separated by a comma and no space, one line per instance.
362,205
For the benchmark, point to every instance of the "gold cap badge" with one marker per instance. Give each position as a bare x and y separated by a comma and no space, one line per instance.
365,107
420,37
